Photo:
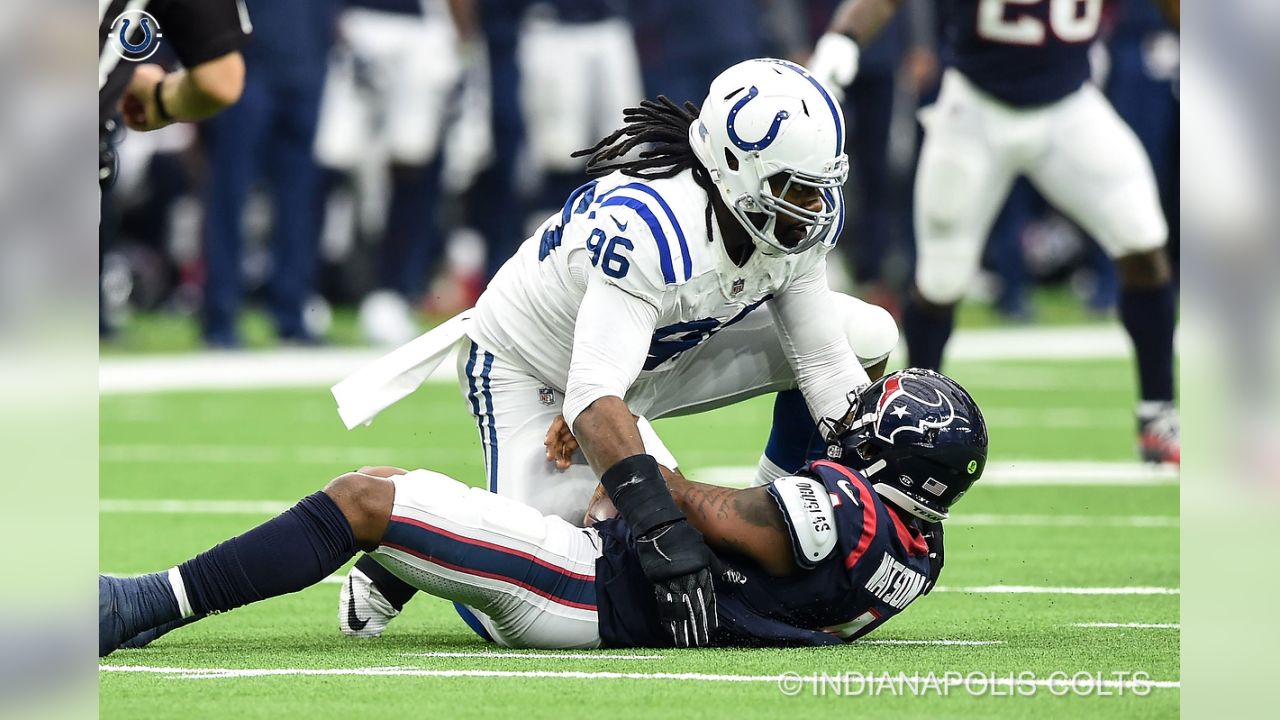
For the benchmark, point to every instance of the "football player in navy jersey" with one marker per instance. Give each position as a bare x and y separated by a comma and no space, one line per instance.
1016,101
820,557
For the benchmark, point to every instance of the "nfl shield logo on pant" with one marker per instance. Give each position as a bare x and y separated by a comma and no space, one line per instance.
546,396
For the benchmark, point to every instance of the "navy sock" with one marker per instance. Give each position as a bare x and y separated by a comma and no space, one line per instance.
1149,315
926,331
289,552
794,433
396,591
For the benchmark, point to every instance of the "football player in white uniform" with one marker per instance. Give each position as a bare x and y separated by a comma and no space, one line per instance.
637,299
1017,100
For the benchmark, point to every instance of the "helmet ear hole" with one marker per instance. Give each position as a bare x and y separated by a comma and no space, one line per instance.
868,451
730,161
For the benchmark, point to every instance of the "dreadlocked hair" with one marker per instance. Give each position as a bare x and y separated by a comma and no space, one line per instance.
660,124
664,127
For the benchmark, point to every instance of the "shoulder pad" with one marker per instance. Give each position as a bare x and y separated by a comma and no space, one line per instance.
809,515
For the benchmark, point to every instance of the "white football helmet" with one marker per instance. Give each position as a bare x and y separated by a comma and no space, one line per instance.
765,117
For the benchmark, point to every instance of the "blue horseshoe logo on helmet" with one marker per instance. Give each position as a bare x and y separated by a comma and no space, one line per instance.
769,136
147,36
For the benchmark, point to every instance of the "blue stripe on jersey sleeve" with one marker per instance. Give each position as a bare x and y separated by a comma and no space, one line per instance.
671,217
664,251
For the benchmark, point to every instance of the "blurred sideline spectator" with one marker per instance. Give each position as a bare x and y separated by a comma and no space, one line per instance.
269,134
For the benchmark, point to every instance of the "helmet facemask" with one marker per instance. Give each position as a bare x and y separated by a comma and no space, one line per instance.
758,209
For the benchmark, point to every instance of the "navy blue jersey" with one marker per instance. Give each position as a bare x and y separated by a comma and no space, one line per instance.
1024,52
879,563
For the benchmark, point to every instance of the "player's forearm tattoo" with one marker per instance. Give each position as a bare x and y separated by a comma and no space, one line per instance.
704,501
707,501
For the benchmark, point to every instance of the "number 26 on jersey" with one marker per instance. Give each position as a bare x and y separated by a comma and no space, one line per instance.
1009,21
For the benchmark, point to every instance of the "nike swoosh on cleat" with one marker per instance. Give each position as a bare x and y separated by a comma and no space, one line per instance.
621,225
352,618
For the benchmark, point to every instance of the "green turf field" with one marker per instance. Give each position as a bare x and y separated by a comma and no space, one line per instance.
1059,542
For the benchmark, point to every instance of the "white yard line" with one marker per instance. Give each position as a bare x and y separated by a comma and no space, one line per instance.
1092,681
1150,626
324,366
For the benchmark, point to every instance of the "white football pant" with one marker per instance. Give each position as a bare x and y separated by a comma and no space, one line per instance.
1077,152
576,78
398,99
528,578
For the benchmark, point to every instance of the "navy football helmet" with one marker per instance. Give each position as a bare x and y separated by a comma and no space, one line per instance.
917,436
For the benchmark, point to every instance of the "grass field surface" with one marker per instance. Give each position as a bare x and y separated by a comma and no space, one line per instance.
1063,561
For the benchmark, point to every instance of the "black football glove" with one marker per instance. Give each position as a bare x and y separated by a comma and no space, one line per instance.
677,560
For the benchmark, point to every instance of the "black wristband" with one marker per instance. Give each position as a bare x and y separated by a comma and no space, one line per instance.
636,487
161,110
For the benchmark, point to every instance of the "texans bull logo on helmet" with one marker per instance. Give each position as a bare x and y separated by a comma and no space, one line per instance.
918,436
911,411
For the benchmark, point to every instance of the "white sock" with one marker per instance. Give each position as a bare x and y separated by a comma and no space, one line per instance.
767,471
180,593
1149,409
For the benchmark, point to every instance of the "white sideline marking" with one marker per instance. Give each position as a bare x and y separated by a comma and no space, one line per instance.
535,655
1153,626
316,367
220,673
1042,590
280,368
1009,473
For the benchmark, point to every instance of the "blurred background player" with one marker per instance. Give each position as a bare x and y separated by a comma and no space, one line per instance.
391,89
1016,101
578,71
152,230
268,135
896,70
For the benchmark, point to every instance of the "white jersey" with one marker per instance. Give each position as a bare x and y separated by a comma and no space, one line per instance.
649,239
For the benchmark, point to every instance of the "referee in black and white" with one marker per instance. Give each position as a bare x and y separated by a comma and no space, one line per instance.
206,36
